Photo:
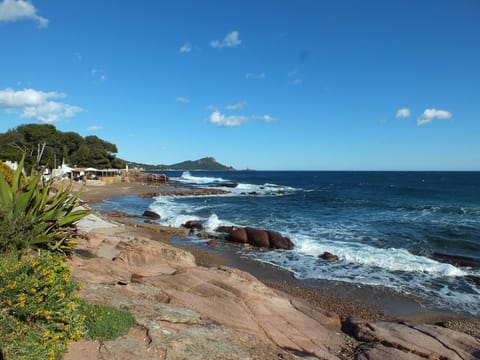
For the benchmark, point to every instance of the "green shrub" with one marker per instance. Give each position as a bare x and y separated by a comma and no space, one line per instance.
39,313
32,217
7,172
106,322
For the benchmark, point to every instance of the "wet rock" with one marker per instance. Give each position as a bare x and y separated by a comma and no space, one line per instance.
327,256
278,241
456,260
193,225
257,237
212,242
225,229
151,214
238,235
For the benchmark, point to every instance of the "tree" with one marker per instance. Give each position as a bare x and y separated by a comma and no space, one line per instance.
43,144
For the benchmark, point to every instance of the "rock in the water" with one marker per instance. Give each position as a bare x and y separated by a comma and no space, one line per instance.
328,256
257,237
238,235
212,242
193,225
277,241
151,214
225,229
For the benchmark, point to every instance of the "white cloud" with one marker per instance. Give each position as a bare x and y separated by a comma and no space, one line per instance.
237,106
256,76
94,128
10,98
182,100
185,48
266,118
403,113
433,114
222,120
230,40
292,72
297,82
13,10
37,104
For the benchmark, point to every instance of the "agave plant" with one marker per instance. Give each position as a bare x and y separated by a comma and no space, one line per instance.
33,216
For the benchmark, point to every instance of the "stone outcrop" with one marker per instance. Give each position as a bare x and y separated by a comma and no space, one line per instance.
186,192
193,225
138,176
256,237
228,310
327,256
151,214
413,341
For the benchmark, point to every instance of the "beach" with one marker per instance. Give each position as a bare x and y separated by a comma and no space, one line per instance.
347,300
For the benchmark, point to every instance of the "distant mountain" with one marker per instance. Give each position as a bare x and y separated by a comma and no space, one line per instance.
206,163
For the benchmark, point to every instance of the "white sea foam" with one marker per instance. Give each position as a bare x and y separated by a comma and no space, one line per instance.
390,259
187,177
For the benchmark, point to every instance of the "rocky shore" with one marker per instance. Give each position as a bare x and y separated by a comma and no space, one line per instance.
189,305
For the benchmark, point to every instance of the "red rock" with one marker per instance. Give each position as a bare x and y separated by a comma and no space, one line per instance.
238,235
257,237
277,241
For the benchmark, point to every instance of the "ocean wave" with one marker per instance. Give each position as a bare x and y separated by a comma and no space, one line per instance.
390,259
187,177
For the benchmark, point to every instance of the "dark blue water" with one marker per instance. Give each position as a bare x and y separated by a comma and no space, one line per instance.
393,229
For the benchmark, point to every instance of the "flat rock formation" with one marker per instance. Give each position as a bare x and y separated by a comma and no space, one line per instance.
186,311
224,309
392,340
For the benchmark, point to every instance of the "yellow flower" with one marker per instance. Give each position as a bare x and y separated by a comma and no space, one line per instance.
46,333
9,302
33,290
13,285
61,295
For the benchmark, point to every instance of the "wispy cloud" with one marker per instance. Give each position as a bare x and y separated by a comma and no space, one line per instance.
185,48
222,120
256,75
238,106
13,10
182,99
293,74
403,113
94,128
98,74
433,114
37,105
232,39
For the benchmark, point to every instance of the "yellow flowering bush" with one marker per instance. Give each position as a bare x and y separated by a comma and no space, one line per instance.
39,313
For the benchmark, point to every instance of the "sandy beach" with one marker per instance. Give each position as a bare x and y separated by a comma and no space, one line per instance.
347,300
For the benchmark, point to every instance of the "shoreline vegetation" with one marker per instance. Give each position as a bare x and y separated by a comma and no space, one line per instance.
350,304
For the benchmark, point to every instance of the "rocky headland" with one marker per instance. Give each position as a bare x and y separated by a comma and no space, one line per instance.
189,306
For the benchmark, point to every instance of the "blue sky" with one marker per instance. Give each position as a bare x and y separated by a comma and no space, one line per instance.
291,85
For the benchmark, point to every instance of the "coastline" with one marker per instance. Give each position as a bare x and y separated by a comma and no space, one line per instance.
347,300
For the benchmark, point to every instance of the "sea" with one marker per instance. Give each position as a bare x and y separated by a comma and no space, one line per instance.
413,233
